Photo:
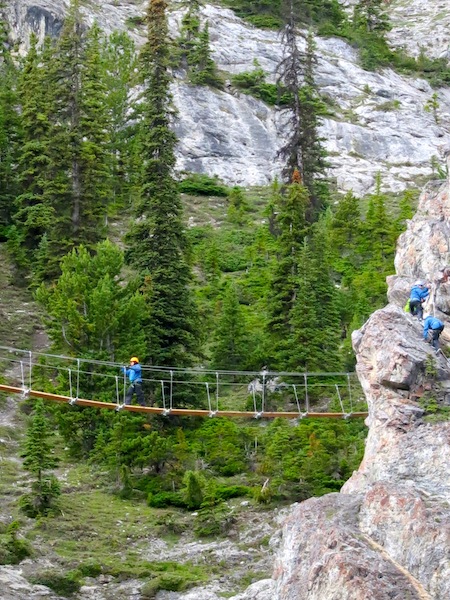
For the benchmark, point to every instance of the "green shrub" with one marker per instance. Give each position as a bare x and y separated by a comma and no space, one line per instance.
150,589
135,21
13,549
225,492
254,83
434,411
172,524
265,21
64,584
194,488
389,105
202,185
167,581
90,569
165,499
212,521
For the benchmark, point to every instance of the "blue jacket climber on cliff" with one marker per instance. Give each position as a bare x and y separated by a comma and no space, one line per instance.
134,374
435,327
418,295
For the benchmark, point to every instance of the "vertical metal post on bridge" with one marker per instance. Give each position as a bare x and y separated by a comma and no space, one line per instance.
78,378
305,378
350,393
117,392
31,367
217,390
263,393
124,384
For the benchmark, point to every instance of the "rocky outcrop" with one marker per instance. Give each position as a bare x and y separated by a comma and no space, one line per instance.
387,534
16,587
378,122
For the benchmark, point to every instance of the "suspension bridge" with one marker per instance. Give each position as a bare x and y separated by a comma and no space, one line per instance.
261,394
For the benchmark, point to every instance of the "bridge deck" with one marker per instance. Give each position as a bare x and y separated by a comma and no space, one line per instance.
187,412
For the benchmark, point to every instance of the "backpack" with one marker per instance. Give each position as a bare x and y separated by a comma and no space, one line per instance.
407,307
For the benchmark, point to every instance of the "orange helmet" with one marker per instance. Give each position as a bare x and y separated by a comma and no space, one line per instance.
134,359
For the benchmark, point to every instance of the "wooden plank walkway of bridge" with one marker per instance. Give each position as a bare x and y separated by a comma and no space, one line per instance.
187,412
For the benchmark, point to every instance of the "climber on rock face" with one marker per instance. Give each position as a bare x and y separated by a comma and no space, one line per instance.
432,329
419,294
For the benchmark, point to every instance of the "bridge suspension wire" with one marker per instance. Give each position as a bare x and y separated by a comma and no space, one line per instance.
156,368
264,391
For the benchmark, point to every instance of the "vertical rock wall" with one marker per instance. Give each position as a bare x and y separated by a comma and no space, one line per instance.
387,534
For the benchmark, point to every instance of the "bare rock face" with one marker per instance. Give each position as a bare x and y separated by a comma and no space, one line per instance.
387,533
15,587
379,120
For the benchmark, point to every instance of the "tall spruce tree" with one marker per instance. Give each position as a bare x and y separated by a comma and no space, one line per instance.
39,460
345,232
231,345
79,167
157,239
203,70
372,16
33,214
9,125
301,349
303,149
315,317
194,49
291,226
120,59
189,33
312,148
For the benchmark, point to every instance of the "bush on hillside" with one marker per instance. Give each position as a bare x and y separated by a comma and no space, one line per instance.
63,584
202,185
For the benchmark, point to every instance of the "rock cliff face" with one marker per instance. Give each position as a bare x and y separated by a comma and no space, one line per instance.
379,122
387,534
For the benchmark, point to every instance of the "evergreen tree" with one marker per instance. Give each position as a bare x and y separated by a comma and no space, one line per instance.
237,206
303,149
378,235
157,240
311,144
345,232
95,167
289,77
370,24
291,223
34,215
406,211
38,460
203,69
189,33
231,348
302,348
79,168
372,16
324,291
9,125
120,60
90,311
377,248
194,49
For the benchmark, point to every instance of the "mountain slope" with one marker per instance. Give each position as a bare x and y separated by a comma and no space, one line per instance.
378,121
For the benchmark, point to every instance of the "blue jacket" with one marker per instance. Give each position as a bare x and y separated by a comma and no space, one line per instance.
419,293
133,373
431,323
